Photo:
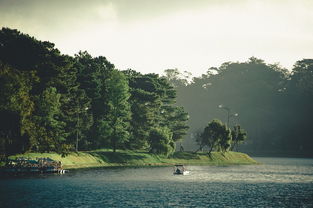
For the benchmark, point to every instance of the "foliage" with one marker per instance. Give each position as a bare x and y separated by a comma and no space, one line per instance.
239,135
176,78
92,74
303,75
16,107
59,103
176,118
161,141
145,105
119,109
49,132
51,69
273,104
54,102
216,135
153,106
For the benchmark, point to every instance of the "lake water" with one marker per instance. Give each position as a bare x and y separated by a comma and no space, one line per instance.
277,182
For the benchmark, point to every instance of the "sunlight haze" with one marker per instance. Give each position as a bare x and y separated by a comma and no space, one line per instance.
151,36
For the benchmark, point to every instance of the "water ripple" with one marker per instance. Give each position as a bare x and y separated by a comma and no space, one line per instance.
276,183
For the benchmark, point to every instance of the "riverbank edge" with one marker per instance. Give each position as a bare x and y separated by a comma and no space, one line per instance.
126,158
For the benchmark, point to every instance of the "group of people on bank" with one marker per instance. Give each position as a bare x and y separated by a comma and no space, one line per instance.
22,164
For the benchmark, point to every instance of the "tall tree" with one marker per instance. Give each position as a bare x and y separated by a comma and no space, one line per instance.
298,108
49,134
172,116
145,104
16,108
119,112
92,76
153,106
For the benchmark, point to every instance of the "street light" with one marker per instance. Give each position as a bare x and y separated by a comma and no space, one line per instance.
229,115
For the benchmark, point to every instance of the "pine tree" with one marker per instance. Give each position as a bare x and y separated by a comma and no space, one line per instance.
119,112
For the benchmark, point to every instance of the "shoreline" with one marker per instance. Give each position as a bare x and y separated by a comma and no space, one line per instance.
127,158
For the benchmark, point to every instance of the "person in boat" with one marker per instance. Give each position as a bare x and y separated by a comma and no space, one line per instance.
179,169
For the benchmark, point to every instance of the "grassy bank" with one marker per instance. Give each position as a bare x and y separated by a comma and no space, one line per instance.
106,158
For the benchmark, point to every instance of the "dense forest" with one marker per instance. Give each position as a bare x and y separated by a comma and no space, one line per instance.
272,104
55,102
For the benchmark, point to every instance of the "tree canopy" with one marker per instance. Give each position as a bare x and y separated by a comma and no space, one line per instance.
54,102
216,135
272,104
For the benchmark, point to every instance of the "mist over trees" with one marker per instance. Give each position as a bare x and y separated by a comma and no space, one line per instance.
273,104
54,102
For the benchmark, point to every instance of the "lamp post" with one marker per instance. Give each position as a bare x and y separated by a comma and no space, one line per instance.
229,115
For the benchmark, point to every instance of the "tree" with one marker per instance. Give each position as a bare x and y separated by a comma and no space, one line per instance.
153,105
176,78
144,107
55,102
172,116
92,77
161,141
82,120
216,135
298,109
239,135
119,112
255,89
225,141
175,118
302,77
16,108
50,133
25,53
28,55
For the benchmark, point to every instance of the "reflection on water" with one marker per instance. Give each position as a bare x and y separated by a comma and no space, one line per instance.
277,182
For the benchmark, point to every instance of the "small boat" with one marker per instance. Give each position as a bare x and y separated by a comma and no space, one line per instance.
180,170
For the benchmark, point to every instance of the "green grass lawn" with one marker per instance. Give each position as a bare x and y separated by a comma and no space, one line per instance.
107,158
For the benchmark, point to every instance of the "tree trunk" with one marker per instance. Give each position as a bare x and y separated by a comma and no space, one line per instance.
114,144
236,147
211,148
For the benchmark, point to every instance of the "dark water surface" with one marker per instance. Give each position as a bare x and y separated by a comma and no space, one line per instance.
278,182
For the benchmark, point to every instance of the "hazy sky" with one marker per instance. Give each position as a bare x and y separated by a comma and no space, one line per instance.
153,35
